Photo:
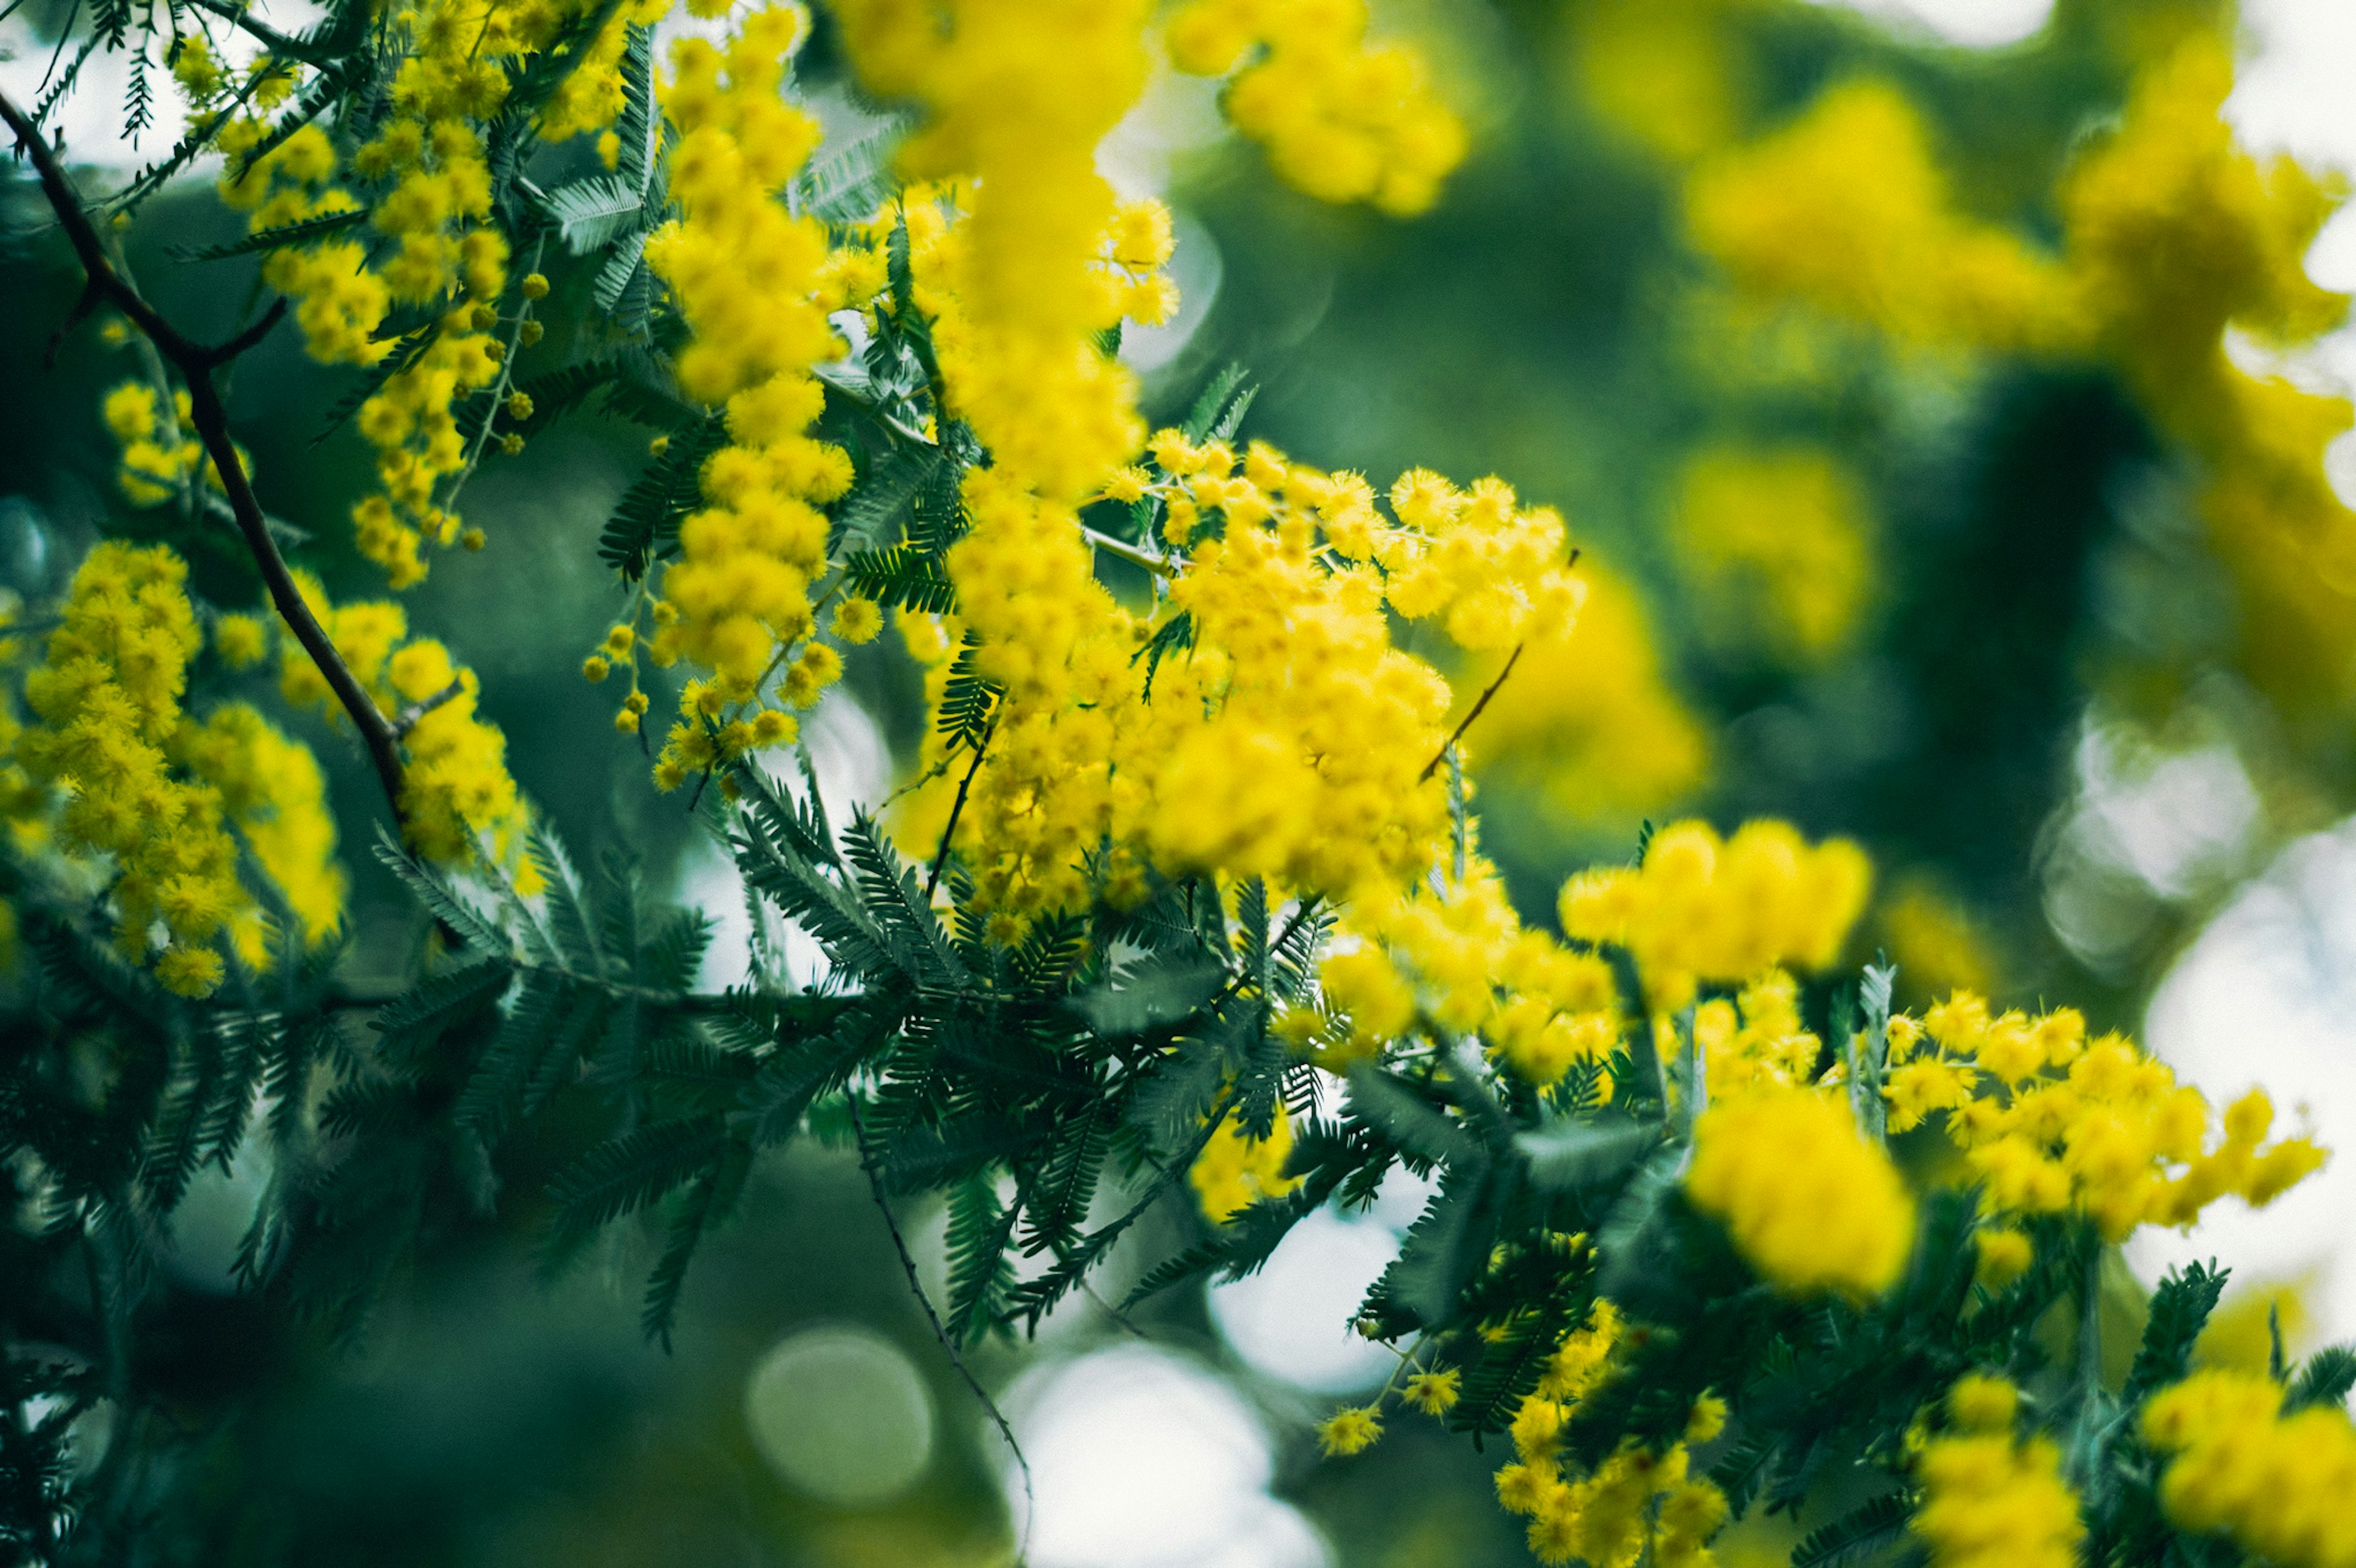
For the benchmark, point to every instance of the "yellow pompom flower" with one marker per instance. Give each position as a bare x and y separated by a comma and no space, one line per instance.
1351,1431
1810,1203
1988,1502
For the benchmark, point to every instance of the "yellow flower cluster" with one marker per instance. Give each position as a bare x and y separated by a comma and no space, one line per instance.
1457,955
1704,908
1987,1500
2096,1126
1286,737
108,700
1751,1042
1637,1505
159,451
1778,543
2173,233
748,278
2278,1483
1233,1172
151,788
2170,235
1343,119
428,182
1845,209
1810,1203
271,787
1015,99
455,791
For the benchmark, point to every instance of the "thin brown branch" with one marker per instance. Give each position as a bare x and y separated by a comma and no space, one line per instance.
196,362
416,710
956,809
867,1163
1441,755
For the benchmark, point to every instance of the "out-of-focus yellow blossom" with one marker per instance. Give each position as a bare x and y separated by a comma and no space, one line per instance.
2172,234
1754,1040
1934,942
1982,1402
159,450
1705,908
240,640
1342,118
1662,73
1846,208
2241,1333
2278,1483
1589,723
2003,1255
1233,1172
1347,1431
1016,99
2068,1123
107,699
1810,1203
1990,1502
1780,544
271,787
455,792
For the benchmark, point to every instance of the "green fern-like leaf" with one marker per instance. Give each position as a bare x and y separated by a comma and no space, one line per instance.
1855,1534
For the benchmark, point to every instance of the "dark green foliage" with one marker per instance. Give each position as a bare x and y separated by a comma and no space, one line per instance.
2179,1310
1856,1535
645,523
2325,1380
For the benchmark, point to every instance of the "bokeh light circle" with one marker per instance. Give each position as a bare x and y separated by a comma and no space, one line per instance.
840,1414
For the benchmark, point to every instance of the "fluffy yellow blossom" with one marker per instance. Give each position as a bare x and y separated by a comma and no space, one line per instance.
1701,908
1750,1042
271,787
1347,1431
1434,1393
1342,118
1810,1203
1990,1502
1980,1403
1233,1172
240,640
456,793
160,451
2278,1483
107,701
1780,545
423,180
1635,1501
1846,208
2050,1122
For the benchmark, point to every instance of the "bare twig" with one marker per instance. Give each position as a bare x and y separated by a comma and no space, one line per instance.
1159,566
416,710
956,808
197,362
1441,755
940,1332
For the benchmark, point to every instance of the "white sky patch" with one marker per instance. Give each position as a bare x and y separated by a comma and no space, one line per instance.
1144,1458
2266,996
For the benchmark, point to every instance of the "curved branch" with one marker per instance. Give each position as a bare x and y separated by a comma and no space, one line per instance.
196,362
